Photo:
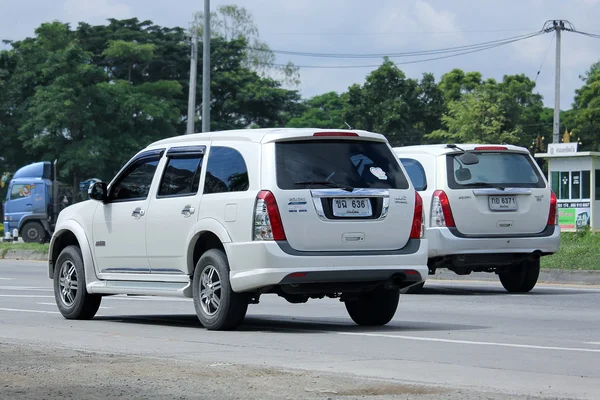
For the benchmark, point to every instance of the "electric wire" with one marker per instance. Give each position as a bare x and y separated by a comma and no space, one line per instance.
402,54
544,59
456,54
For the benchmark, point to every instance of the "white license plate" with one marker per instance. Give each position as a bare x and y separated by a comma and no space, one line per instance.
503,203
352,208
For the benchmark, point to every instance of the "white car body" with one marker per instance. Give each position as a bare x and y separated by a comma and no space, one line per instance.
482,238
150,246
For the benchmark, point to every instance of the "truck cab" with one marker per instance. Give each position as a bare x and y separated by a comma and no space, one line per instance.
28,207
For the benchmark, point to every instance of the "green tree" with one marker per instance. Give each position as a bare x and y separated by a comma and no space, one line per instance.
322,111
490,111
389,103
232,22
130,52
586,109
477,117
61,114
457,83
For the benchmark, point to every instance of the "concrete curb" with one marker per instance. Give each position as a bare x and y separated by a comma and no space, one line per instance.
578,277
29,255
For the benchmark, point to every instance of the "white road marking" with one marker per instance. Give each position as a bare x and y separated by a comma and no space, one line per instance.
54,304
597,343
7,279
25,288
430,339
30,311
37,296
137,298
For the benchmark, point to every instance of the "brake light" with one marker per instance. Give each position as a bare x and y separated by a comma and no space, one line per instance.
335,134
553,213
491,148
441,213
418,230
267,220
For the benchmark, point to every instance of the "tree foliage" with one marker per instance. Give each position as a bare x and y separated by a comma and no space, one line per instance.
93,96
232,22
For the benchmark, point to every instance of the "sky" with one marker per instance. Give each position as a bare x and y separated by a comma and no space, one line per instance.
367,27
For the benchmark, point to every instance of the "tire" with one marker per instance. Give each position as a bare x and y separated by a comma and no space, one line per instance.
374,308
217,308
73,301
521,278
33,232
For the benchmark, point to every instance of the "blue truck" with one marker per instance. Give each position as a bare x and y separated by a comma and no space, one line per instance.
33,202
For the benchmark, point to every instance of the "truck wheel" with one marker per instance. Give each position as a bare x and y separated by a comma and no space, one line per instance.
33,232
72,298
218,307
374,308
521,278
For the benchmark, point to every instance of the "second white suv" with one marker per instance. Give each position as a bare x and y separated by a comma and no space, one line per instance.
225,217
488,208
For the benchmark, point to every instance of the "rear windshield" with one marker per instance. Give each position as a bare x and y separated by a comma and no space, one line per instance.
358,164
494,168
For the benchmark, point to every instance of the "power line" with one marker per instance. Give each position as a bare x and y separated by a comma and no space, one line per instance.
355,33
544,59
592,35
415,61
481,45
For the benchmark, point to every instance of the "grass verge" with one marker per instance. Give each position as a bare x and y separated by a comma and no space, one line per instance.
578,251
36,247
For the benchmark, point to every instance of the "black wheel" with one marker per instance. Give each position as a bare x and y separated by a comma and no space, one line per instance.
374,308
72,298
521,278
33,232
217,306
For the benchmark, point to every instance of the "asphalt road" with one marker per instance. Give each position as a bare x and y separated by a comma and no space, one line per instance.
466,337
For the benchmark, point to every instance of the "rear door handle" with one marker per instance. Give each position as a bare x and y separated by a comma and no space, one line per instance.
138,213
188,211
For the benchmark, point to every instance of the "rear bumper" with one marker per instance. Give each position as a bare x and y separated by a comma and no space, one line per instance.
257,265
443,242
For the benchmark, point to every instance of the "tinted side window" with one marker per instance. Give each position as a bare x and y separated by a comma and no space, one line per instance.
20,191
135,183
181,176
226,171
415,172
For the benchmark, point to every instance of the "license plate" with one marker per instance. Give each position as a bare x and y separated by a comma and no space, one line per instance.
502,203
352,208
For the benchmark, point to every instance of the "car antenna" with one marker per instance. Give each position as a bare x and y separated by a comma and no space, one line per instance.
348,125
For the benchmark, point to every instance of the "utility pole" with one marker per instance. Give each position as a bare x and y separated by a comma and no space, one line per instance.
558,27
192,93
206,70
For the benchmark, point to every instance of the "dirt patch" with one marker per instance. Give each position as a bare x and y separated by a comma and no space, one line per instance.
49,373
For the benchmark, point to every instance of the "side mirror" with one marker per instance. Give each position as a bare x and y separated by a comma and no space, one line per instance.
462,174
469,158
98,191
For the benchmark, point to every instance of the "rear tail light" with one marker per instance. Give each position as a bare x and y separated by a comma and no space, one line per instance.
418,229
491,148
267,220
553,214
441,213
335,134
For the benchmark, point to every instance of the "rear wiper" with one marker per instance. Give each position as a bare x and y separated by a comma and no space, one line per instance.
484,184
326,183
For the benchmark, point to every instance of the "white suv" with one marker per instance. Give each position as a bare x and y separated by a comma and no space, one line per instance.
224,217
489,209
